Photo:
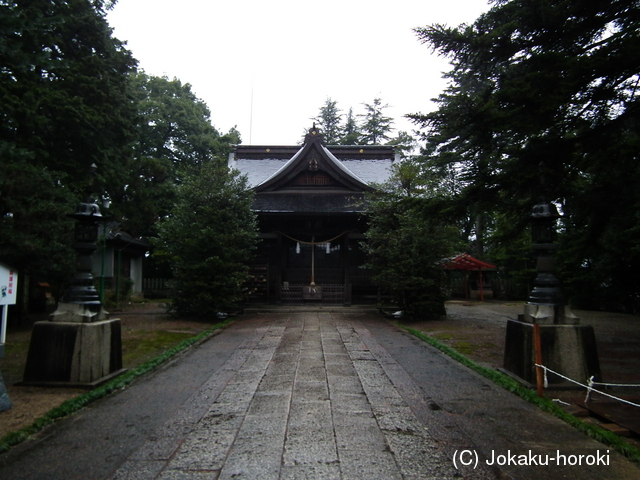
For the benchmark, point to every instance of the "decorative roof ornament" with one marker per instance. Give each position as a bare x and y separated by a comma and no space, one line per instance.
314,136
313,165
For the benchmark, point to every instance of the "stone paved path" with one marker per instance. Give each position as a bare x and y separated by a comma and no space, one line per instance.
307,395
303,398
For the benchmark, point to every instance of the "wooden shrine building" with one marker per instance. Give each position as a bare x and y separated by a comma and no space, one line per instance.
309,200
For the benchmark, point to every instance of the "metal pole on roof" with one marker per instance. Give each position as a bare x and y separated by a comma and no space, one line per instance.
251,114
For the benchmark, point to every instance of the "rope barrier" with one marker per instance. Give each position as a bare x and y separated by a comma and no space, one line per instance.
613,384
314,243
590,386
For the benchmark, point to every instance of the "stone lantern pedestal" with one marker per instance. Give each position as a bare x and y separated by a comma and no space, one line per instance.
569,349
74,354
80,346
565,346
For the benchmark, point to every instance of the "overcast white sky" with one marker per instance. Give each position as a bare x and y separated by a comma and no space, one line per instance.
289,56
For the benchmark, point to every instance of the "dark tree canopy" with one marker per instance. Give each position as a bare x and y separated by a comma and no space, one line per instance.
63,85
549,86
407,240
173,135
70,97
64,105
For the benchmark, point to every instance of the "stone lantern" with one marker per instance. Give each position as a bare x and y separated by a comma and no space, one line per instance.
79,345
546,300
565,346
82,298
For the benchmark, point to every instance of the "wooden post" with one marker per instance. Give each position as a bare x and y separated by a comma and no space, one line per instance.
466,284
538,348
281,262
313,261
344,259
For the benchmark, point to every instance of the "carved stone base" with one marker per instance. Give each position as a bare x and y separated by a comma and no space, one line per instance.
549,314
79,313
74,354
567,349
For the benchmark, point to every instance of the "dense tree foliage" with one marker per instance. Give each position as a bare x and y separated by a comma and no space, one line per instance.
64,105
404,143
208,238
35,234
407,239
173,134
64,89
551,86
70,97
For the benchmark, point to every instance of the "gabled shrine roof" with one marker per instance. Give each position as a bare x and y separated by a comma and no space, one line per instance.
369,164
312,178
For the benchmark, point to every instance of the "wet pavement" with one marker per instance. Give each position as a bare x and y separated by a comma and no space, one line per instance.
312,395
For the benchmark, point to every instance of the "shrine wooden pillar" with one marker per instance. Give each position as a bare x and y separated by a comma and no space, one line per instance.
281,259
345,268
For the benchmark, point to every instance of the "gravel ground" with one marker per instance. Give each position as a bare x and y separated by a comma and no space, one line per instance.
478,331
147,331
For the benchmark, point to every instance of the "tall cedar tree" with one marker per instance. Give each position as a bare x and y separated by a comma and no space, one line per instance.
553,82
330,122
351,130
209,238
64,105
375,126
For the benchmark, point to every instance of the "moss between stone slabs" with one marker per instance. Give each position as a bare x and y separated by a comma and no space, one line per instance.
545,404
74,404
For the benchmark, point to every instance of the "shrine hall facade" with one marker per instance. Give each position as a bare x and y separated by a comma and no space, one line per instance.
309,202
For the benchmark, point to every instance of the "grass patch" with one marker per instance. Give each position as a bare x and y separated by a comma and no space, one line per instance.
145,345
465,348
545,404
74,404
443,336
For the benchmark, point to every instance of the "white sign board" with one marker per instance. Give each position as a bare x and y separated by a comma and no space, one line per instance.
8,285
8,293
